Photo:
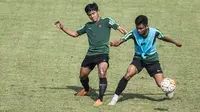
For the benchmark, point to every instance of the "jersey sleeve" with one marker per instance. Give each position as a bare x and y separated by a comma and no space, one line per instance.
159,34
128,36
82,30
113,24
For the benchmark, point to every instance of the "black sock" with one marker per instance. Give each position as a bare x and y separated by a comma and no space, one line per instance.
121,86
85,83
102,87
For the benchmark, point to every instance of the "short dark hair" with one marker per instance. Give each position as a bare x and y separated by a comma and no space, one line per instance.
141,19
90,7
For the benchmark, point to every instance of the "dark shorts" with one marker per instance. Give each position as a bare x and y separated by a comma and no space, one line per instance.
92,61
152,67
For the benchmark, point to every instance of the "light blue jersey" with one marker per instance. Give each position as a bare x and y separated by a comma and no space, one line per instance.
144,46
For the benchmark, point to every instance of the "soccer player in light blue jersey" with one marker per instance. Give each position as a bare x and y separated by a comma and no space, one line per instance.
145,55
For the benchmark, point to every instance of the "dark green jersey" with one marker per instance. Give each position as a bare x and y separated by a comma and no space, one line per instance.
98,35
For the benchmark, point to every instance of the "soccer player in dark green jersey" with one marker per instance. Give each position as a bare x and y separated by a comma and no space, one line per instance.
98,32
145,56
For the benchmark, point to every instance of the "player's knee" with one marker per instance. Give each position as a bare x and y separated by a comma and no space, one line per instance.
102,73
83,76
129,75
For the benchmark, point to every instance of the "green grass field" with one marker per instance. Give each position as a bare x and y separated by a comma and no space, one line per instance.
39,64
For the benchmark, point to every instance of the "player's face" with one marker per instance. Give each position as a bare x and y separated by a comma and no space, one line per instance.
142,29
93,15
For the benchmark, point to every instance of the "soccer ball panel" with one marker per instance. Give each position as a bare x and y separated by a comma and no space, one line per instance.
168,85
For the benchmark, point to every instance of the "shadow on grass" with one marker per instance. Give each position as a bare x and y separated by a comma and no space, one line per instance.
162,109
92,94
125,96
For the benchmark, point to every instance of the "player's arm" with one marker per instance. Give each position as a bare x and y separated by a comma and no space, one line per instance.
113,24
66,30
122,30
170,40
160,35
116,43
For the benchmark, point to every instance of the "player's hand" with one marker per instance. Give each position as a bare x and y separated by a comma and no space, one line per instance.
58,24
178,44
114,43
111,44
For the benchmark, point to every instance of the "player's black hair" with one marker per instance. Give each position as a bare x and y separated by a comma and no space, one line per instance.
91,7
141,19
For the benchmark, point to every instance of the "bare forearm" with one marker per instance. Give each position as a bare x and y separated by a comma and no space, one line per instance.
122,30
120,42
69,32
116,43
66,30
170,40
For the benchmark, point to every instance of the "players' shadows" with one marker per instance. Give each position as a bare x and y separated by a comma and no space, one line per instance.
126,96
92,94
161,109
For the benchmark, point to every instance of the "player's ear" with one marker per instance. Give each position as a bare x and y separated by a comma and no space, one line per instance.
147,26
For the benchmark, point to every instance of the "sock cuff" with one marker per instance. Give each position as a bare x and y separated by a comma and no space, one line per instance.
85,79
124,79
103,80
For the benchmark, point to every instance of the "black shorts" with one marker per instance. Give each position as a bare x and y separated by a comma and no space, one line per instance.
152,67
92,61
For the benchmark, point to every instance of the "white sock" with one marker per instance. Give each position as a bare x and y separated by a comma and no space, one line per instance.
115,97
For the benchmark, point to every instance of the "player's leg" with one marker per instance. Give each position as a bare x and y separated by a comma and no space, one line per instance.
158,79
102,71
156,72
86,67
131,71
134,68
84,72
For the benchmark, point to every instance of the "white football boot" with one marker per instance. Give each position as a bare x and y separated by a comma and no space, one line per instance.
113,102
170,94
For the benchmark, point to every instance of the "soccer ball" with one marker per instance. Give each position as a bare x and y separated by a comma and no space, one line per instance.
168,85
